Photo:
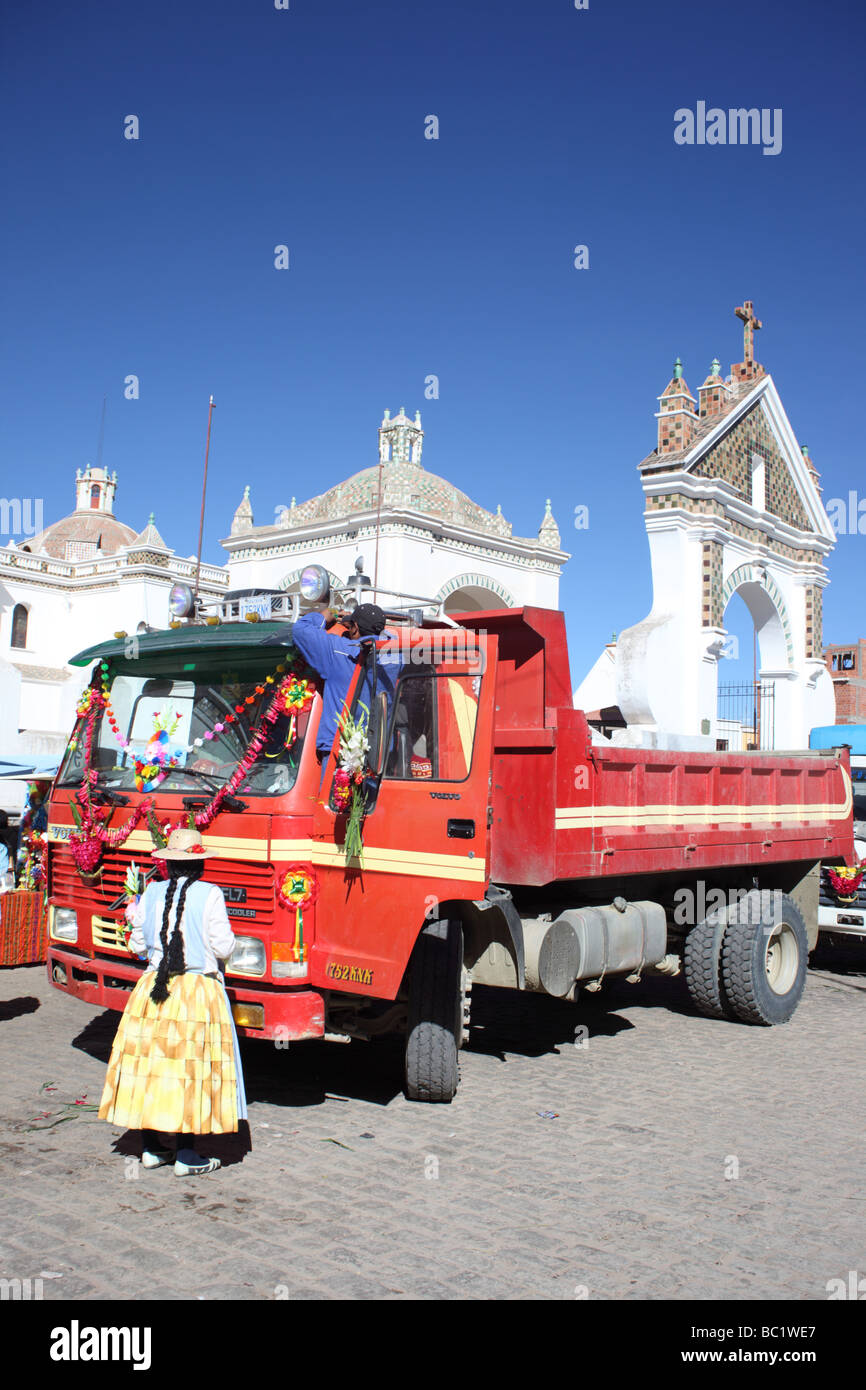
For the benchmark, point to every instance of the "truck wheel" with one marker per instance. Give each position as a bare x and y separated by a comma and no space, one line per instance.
435,1022
702,966
764,958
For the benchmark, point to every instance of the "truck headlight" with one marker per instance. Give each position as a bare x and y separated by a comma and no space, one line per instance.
248,957
64,924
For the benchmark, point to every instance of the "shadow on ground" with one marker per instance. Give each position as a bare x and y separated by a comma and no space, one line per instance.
14,1008
503,1021
839,960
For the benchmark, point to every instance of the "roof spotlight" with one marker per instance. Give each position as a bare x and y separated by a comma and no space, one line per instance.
180,601
315,584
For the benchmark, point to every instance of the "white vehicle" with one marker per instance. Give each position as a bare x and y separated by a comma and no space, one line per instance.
843,915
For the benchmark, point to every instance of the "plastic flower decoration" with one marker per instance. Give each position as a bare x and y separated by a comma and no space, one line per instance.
159,756
845,882
348,782
298,890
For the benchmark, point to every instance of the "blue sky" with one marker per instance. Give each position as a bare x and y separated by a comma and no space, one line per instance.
411,256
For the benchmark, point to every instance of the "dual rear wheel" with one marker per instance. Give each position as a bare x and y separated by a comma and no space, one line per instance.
748,960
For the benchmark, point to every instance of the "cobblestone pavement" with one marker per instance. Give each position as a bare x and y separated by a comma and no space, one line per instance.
351,1191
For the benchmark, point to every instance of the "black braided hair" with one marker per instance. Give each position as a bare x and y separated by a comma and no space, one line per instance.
173,961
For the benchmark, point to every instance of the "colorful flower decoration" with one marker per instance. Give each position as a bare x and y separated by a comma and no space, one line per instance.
159,758
299,889
298,698
845,883
348,794
92,835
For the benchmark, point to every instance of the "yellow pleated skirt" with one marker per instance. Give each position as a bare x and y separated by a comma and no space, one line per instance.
175,1066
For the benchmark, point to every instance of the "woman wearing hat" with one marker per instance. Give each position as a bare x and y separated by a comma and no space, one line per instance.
175,1068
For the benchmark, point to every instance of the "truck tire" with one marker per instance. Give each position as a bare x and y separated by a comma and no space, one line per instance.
764,958
435,1021
702,966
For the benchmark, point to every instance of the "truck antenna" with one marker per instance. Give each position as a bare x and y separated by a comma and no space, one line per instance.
203,494
378,527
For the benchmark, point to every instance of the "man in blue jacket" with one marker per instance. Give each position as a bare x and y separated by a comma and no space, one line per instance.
335,658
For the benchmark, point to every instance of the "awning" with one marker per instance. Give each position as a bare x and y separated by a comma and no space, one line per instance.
41,770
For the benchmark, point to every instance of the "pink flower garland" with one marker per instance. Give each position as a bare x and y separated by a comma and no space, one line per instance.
279,705
89,842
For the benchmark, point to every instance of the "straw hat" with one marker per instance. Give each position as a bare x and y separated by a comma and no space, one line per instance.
184,844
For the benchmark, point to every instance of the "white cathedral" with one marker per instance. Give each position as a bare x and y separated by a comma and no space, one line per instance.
89,575
415,532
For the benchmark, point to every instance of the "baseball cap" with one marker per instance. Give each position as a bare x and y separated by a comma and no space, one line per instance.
370,619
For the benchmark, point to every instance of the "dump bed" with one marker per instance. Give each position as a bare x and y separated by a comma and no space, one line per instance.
565,808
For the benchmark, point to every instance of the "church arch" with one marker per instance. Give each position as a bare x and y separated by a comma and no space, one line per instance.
761,595
472,593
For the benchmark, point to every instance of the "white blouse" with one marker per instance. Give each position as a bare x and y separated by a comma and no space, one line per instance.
218,937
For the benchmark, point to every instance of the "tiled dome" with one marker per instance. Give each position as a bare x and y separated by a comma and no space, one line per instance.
403,485
81,534
92,528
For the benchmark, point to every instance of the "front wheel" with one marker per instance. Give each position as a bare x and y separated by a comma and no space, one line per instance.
764,958
435,1021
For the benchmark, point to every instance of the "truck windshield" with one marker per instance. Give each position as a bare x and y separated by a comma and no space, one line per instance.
187,732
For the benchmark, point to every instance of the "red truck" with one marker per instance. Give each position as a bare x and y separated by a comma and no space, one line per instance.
502,845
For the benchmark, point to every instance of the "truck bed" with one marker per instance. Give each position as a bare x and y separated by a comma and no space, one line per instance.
565,808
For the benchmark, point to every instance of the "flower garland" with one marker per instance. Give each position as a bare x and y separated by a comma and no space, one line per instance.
298,890
92,835
845,883
288,695
231,718
348,782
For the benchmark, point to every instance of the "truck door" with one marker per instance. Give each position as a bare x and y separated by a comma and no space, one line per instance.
426,837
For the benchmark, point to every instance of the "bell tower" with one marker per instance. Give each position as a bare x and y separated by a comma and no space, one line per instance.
94,490
401,439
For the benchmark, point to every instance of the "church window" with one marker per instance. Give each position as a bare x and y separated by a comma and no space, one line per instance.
759,483
19,626
94,497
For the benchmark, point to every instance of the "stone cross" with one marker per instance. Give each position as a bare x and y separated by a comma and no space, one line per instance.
746,313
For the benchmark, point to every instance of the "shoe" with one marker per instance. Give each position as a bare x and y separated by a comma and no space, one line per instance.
188,1170
155,1159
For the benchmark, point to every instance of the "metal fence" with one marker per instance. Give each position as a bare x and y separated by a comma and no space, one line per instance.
746,712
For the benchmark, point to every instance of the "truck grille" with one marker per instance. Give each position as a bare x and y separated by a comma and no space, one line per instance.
249,890
107,935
